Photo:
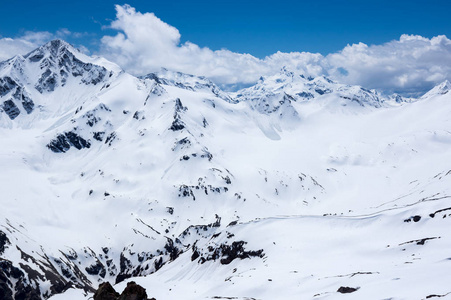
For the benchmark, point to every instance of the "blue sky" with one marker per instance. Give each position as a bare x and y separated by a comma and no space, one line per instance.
260,28
394,46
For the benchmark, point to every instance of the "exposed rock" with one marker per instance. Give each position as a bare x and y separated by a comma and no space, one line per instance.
61,63
226,253
6,85
125,268
305,95
177,125
133,291
413,218
110,138
153,76
179,106
98,135
106,292
5,291
420,241
172,250
64,141
22,290
236,250
346,290
96,269
3,242
439,211
47,82
27,104
11,109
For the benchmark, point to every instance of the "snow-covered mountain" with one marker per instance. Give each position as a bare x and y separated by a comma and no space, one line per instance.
299,88
49,81
294,188
440,89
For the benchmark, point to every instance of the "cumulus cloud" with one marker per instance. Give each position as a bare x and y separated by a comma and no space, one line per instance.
23,44
10,47
408,65
144,43
30,40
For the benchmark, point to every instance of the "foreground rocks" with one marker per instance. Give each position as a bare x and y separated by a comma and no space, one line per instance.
133,291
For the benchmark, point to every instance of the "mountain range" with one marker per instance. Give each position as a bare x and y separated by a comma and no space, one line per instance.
293,188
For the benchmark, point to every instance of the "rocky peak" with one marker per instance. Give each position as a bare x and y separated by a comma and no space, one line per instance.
58,60
300,88
42,71
53,48
285,71
188,82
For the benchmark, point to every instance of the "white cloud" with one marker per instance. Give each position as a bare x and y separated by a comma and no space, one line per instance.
30,40
144,43
412,63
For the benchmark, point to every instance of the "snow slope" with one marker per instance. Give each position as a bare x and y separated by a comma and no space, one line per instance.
289,189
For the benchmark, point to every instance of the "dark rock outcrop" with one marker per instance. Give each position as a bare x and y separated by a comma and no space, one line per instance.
178,124
61,63
20,96
106,292
96,269
6,85
346,289
9,274
64,141
47,82
226,253
3,242
133,291
11,109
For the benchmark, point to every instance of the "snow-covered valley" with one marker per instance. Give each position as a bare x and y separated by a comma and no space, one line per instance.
289,189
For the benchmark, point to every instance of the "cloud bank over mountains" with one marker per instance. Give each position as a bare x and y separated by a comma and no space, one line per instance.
30,40
144,43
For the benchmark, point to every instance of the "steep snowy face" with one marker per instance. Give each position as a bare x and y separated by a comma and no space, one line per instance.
188,82
37,80
57,61
14,96
440,89
297,87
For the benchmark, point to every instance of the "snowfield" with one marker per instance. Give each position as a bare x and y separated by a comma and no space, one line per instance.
295,188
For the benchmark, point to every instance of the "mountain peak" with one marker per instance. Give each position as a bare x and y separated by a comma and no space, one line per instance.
57,43
445,84
286,71
187,81
439,89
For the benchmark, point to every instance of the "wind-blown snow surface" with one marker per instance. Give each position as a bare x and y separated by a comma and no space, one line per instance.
286,190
